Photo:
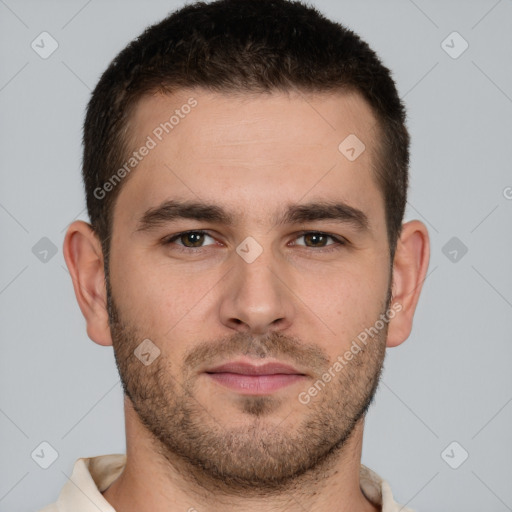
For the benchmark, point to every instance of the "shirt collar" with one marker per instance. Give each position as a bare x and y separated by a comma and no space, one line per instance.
93,475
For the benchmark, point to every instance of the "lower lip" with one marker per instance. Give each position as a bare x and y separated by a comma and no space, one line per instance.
255,384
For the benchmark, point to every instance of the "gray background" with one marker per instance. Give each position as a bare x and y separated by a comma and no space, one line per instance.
451,381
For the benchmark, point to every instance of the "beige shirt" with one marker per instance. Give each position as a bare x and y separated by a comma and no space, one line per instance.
91,476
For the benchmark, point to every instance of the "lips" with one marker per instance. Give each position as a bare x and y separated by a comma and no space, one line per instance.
250,379
243,368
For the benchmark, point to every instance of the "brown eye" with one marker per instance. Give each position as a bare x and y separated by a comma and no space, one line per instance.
189,239
320,240
192,239
315,239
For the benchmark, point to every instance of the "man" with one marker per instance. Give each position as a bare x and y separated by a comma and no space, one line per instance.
245,165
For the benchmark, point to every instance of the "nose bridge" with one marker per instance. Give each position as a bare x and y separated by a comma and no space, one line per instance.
256,297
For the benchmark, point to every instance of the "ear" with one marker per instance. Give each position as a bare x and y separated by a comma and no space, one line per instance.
409,271
84,258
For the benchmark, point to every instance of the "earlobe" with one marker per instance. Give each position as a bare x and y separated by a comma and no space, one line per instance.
84,259
409,271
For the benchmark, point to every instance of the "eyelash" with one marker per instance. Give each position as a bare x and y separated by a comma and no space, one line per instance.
339,242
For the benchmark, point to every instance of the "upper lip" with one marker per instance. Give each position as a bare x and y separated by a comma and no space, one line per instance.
244,368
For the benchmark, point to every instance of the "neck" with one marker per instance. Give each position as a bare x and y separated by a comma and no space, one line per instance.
176,486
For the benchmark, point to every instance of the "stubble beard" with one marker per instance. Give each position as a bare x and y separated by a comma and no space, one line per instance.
269,453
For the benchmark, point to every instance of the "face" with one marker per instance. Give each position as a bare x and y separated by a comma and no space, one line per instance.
253,254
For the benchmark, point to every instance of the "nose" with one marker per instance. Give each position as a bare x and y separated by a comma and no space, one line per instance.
256,296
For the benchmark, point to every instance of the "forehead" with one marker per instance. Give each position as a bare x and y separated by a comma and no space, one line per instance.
306,120
252,150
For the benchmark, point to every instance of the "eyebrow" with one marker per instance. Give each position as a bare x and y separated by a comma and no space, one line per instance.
172,210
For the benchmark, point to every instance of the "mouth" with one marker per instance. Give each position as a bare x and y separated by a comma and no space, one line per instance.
249,379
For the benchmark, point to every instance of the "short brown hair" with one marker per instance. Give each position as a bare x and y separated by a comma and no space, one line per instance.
242,46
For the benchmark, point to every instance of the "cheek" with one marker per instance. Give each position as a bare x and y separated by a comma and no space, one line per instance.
138,289
159,299
345,302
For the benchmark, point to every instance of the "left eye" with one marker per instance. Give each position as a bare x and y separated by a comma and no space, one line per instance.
317,239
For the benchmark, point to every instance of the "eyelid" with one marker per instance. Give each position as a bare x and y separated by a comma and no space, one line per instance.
319,232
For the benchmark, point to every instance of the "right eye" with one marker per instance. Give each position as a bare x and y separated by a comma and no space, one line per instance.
188,239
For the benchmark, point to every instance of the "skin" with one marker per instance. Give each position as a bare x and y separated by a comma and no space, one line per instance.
295,303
